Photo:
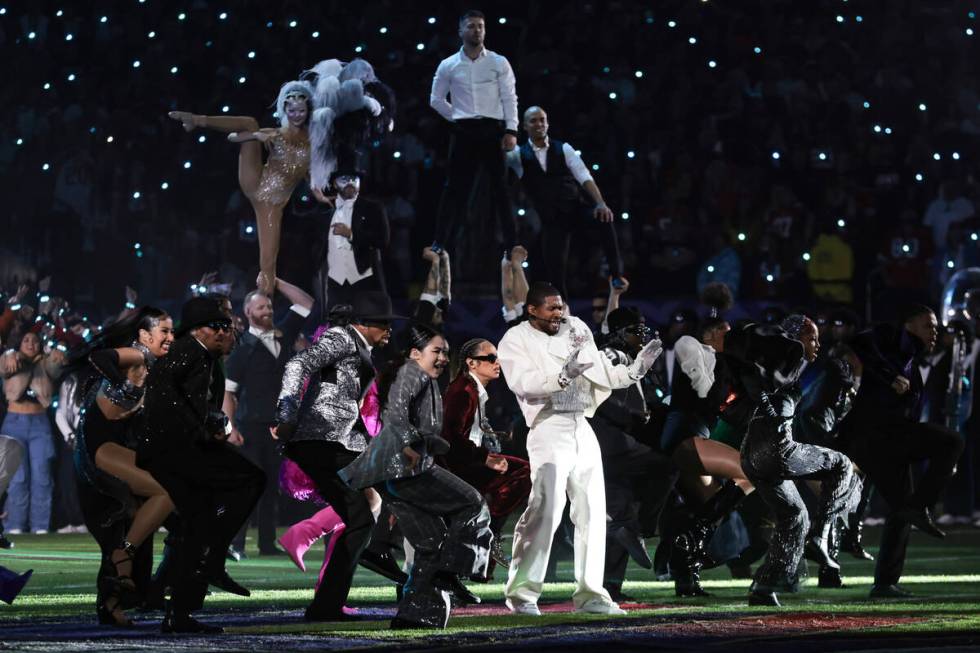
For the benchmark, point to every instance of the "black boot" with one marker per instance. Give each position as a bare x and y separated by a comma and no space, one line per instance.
852,535
829,576
180,622
685,570
694,540
383,563
818,545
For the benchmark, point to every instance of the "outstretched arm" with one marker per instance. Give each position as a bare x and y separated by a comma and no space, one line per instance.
294,294
518,256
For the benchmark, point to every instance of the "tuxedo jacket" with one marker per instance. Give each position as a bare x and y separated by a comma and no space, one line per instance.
337,372
183,389
258,373
370,235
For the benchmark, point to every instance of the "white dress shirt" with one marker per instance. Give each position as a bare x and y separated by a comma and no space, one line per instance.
476,430
480,88
341,266
268,340
572,159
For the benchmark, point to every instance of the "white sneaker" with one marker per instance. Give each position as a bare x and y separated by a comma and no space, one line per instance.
65,529
528,609
14,531
599,606
40,531
81,529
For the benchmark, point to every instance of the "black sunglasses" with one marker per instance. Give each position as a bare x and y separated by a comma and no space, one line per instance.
490,358
219,326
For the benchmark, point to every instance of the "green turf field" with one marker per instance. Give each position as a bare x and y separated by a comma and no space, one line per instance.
944,575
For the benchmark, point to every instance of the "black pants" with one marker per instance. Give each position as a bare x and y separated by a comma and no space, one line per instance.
263,452
638,481
215,489
475,148
558,229
884,447
321,461
448,523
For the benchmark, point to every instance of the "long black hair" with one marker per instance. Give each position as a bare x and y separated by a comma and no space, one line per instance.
121,333
416,336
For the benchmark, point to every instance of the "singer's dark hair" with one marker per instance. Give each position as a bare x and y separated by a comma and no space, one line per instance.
540,291
467,351
416,336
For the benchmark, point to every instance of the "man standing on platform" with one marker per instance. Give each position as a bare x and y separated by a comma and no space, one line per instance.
253,374
350,257
565,196
483,113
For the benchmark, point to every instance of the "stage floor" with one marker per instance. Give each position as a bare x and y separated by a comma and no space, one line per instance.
56,610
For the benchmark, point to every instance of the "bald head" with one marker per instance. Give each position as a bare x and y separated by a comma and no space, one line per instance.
536,124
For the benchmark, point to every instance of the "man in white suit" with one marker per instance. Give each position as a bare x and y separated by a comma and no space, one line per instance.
551,363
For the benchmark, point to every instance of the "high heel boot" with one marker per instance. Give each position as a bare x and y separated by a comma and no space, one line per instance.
302,535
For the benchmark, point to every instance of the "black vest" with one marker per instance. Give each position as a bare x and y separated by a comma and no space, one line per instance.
553,191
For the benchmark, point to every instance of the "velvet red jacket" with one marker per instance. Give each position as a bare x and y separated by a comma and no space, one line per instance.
465,459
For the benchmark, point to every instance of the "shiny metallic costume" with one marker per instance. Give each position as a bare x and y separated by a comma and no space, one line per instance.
287,165
773,461
445,519
329,408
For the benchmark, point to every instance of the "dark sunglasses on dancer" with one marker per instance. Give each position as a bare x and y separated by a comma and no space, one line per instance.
639,330
219,326
490,358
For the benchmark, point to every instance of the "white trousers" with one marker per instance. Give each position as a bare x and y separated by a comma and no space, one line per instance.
565,459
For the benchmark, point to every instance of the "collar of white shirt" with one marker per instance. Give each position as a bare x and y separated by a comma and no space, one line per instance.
363,339
463,55
259,333
342,203
480,390
547,144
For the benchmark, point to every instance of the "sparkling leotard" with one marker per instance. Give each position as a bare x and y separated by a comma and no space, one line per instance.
287,165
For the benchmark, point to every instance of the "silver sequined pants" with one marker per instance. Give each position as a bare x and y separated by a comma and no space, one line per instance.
773,461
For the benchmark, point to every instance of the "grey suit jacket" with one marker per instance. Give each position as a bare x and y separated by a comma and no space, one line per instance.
412,414
339,371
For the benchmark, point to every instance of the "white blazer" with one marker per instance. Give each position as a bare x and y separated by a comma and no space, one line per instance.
532,360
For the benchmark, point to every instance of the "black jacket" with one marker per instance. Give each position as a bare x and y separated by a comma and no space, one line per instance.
886,352
370,235
183,391
258,373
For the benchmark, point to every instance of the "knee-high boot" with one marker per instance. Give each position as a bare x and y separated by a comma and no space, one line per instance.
302,535
690,547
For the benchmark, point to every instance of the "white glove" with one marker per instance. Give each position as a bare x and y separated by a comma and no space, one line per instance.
645,359
573,369
372,105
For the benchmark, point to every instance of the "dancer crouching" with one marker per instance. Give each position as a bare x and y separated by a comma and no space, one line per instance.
323,433
182,444
773,460
112,399
444,519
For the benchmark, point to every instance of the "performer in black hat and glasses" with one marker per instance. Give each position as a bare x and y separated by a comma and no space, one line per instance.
323,431
182,445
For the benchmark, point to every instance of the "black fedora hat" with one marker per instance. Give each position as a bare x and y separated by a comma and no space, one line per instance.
373,306
198,311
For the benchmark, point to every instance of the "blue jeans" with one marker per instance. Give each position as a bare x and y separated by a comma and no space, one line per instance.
29,494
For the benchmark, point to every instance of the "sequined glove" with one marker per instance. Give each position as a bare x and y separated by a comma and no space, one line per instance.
572,368
286,413
645,359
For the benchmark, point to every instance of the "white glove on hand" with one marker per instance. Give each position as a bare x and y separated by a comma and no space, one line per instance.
573,368
645,359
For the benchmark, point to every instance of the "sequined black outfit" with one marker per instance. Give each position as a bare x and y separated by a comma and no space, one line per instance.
773,460
328,436
445,519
